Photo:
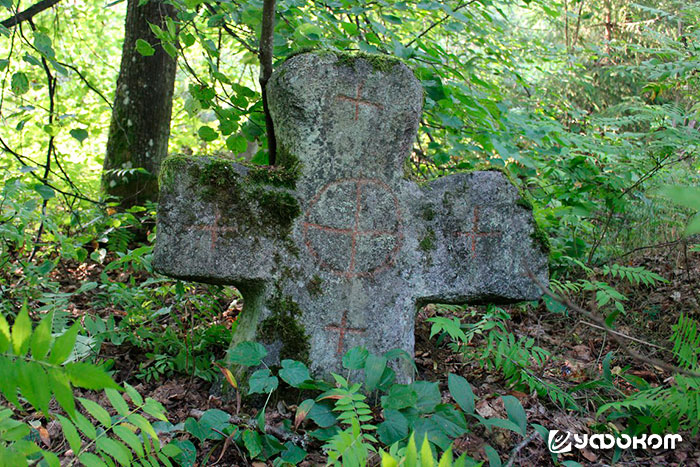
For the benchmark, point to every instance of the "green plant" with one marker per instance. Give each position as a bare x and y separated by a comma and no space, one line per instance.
411,457
674,406
37,368
520,360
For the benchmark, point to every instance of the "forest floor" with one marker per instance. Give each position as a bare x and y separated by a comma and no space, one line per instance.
579,347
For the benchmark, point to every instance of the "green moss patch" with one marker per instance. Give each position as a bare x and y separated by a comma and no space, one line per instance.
283,326
427,243
261,211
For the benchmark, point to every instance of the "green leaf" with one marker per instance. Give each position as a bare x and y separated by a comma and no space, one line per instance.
207,133
144,48
117,401
133,394
461,392
400,396
294,373
63,345
450,420
252,442
354,359
115,449
60,386
247,354
84,425
70,432
492,454
89,376
130,438
293,454
80,134
41,339
155,409
374,369
88,459
146,428
214,419
237,143
21,332
262,382
322,414
19,83
34,385
5,335
394,428
515,412
428,396
96,410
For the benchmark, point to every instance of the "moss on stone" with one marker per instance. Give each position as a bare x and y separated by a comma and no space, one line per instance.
428,213
427,243
378,62
258,210
540,237
284,174
314,286
283,326
280,206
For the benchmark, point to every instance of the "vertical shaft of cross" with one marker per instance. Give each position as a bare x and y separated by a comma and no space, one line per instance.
342,329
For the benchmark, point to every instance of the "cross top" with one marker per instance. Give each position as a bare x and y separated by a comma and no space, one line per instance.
339,248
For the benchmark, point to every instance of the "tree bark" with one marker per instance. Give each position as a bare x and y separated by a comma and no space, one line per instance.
140,126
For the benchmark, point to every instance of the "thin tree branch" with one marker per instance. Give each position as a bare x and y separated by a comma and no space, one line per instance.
29,13
600,321
266,45
438,22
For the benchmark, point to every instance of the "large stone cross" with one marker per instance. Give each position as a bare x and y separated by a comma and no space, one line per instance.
337,247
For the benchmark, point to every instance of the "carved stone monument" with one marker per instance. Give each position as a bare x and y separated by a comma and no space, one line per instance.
336,247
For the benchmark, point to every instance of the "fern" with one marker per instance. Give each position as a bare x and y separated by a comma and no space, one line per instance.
635,275
351,446
686,342
502,351
678,405
37,368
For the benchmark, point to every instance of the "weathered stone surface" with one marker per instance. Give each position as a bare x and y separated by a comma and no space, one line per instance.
338,248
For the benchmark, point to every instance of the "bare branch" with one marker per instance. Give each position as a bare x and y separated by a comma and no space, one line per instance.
29,13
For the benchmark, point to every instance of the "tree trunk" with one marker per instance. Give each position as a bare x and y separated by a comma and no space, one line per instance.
140,127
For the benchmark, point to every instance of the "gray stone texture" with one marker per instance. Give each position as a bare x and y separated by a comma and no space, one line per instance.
344,254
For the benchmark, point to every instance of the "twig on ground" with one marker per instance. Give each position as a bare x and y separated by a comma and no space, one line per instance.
516,450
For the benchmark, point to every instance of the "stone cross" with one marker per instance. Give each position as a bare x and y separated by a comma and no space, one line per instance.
337,246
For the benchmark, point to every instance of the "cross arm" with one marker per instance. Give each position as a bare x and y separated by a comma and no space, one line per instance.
477,241
216,218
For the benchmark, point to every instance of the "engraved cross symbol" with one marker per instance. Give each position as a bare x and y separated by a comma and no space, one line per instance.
357,100
342,329
475,233
214,228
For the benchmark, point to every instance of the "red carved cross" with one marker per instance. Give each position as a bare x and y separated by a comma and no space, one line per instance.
475,233
214,229
357,100
342,329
